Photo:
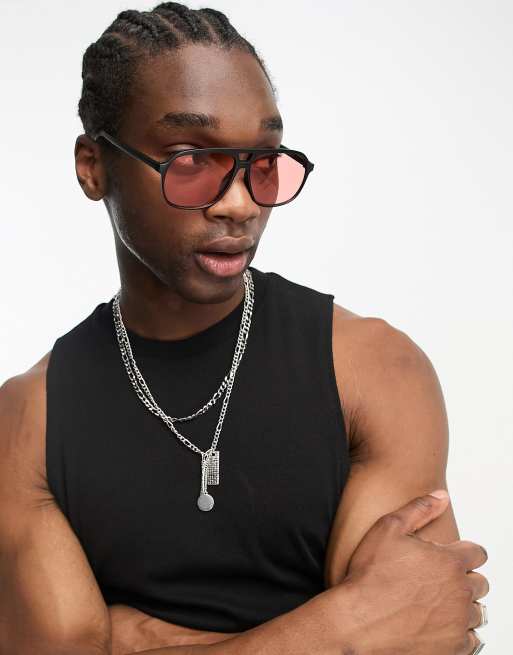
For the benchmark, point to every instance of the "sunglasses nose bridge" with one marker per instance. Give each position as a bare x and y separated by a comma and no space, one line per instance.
240,164
245,165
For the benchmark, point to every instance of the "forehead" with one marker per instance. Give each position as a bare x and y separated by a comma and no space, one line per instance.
227,84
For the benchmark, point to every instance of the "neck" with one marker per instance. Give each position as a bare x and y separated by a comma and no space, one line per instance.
163,314
176,309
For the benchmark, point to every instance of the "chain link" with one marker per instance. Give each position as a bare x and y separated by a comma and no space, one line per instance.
144,393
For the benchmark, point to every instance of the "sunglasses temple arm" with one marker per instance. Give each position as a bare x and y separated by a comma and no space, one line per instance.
132,152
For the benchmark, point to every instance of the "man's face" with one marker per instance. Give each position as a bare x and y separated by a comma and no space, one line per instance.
151,234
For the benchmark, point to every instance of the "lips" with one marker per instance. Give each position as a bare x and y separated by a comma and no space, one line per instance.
222,264
227,245
225,257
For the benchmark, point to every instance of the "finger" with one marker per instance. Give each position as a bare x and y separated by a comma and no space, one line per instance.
415,514
475,643
476,616
479,584
472,555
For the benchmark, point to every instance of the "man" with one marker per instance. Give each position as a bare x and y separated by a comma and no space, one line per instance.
115,535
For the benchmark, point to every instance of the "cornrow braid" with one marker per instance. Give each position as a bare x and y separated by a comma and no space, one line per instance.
221,24
109,64
186,20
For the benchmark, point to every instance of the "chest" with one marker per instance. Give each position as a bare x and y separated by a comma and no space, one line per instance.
131,486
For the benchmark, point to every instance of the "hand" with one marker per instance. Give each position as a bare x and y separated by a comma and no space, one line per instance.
413,596
133,630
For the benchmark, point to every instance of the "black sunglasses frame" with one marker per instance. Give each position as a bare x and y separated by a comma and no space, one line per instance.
161,167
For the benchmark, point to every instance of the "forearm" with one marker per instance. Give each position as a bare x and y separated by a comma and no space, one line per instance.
321,626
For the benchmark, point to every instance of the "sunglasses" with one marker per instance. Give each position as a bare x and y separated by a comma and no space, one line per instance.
196,178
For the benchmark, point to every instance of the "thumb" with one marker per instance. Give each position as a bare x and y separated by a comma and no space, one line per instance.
422,510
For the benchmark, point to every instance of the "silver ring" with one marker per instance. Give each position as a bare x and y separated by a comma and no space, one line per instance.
479,646
484,616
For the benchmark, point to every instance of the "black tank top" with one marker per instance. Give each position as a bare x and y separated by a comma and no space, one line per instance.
129,487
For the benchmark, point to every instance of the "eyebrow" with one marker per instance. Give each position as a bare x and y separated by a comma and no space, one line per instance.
191,119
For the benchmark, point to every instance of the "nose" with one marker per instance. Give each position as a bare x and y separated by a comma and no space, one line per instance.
236,202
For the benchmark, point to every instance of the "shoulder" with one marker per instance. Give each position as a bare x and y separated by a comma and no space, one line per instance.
397,431
23,425
374,337
25,391
377,364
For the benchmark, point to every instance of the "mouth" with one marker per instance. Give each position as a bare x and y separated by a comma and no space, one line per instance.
222,264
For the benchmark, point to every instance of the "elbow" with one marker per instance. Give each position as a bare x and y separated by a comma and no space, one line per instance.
92,638
21,633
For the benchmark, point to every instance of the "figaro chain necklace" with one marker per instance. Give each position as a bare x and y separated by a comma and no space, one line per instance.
210,457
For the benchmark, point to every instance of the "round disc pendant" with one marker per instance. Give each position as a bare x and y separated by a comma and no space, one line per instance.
205,502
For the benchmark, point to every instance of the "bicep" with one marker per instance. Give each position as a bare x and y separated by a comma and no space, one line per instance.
48,594
401,446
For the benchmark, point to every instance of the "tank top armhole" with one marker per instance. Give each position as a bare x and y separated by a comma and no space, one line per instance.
53,452
336,395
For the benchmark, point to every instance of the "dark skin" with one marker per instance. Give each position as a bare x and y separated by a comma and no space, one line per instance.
164,293
394,411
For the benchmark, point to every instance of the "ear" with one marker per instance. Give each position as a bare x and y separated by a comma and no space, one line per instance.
90,167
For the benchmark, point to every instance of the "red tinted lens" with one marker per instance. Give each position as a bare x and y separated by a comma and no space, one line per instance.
194,179
276,178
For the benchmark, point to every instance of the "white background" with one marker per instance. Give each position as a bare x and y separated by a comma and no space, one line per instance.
406,109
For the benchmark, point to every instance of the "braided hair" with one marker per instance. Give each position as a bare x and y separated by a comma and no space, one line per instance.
109,63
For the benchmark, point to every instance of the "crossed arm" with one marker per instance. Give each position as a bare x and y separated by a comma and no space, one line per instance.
50,601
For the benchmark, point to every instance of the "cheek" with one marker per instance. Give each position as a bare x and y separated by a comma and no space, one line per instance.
141,214
142,183
265,212
160,236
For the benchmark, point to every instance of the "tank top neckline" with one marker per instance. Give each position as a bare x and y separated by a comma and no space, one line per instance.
200,341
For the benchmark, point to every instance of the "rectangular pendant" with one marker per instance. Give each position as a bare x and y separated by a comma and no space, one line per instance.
213,469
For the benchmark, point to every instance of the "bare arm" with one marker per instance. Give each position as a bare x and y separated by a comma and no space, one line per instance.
396,415
399,434
313,628
408,414
50,602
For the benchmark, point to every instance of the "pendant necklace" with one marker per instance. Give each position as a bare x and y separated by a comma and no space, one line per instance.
210,457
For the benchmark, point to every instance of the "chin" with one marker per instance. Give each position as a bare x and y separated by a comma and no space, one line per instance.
188,279
199,287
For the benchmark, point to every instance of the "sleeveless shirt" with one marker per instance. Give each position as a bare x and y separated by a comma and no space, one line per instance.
129,487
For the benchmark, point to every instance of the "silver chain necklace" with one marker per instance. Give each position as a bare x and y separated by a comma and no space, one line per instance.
210,457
